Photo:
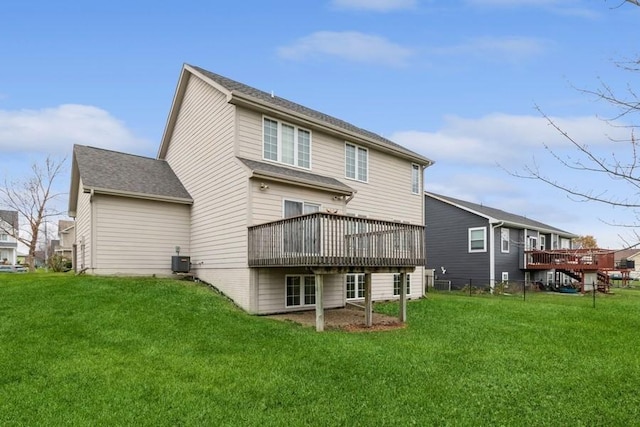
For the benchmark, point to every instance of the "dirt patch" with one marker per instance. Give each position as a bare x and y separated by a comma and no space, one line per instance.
349,319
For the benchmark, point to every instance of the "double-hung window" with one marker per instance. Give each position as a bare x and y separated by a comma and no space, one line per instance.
286,143
415,179
478,239
356,164
504,240
301,290
396,284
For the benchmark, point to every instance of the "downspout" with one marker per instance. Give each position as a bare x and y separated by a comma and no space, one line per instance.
92,232
349,198
492,254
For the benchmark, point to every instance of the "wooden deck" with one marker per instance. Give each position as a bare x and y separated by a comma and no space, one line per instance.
338,242
570,259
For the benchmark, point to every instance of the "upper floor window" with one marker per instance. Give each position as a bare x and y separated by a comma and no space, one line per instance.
286,143
415,179
478,239
356,164
504,234
543,242
4,237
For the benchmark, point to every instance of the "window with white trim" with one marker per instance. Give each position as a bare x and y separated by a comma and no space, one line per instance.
478,239
396,284
301,290
356,163
355,285
504,240
4,237
505,276
415,178
543,242
286,143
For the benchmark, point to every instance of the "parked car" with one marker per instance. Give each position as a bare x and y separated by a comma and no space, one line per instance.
12,269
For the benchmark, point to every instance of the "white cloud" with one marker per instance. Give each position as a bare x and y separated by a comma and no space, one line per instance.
498,48
503,138
349,45
55,130
375,5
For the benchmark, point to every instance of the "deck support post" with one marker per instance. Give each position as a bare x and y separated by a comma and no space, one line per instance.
402,312
319,302
368,301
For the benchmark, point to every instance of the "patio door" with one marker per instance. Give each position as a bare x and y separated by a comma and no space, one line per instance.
302,237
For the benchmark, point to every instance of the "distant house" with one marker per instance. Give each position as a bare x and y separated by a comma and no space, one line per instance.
279,206
66,239
469,243
8,243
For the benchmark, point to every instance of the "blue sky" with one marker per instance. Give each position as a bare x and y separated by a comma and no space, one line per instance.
457,81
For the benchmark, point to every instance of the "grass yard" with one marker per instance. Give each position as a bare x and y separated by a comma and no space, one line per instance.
121,351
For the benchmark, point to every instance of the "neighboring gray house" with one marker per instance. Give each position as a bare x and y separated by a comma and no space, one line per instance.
472,243
8,243
279,206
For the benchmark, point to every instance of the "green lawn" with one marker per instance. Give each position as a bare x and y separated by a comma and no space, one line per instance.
121,351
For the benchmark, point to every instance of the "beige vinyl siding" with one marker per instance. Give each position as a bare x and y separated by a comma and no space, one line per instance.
83,229
387,194
201,153
138,237
382,285
267,205
233,282
272,290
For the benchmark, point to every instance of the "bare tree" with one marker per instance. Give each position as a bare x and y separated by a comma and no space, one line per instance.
31,198
619,168
623,169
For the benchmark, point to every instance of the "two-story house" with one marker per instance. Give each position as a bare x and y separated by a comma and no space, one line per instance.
279,206
8,243
470,243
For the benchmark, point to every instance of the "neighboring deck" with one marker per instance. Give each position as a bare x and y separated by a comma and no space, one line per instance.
570,259
336,242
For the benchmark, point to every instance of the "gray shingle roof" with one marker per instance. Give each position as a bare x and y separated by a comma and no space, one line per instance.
295,175
10,217
234,86
127,173
501,215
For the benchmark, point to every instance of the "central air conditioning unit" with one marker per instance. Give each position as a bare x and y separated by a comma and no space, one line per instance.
180,264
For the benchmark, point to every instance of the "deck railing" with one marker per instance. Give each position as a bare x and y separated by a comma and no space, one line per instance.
569,259
331,240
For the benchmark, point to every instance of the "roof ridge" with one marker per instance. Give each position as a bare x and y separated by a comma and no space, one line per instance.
234,85
119,152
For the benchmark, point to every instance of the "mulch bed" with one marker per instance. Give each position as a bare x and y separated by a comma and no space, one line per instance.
350,319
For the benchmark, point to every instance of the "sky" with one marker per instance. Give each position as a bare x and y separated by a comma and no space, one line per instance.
470,84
